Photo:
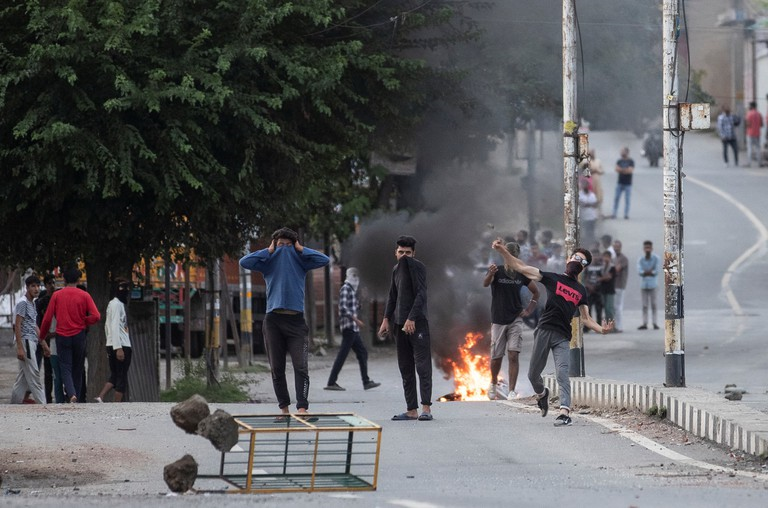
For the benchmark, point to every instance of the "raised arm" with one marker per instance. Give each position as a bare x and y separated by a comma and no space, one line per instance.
517,265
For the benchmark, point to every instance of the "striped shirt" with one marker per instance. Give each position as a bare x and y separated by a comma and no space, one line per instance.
26,309
348,307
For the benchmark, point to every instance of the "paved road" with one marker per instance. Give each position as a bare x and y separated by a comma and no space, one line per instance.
481,453
723,211
472,454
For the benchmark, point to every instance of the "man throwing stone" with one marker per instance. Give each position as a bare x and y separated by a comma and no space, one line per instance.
565,294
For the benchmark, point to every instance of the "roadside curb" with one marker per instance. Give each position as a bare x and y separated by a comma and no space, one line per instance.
699,412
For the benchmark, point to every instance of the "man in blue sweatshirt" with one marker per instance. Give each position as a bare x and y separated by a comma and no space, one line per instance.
284,265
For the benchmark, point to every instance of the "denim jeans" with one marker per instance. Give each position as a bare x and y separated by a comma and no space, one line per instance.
627,191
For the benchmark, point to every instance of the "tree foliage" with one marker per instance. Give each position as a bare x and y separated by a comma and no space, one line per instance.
129,127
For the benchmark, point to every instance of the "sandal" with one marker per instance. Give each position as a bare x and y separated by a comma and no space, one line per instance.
404,416
425,417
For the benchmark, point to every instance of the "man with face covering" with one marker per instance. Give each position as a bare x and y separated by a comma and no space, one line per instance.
284,265
407,310
350,324
565,294
118,342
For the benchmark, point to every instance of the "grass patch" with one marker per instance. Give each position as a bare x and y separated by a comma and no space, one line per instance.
193,381
256,368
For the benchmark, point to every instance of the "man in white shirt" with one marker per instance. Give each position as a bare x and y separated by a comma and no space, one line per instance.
118,342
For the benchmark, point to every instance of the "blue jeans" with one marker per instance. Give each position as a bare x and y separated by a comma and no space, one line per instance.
627,191
350,340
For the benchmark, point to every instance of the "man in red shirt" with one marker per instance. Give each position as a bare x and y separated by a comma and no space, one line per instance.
74,310
754,124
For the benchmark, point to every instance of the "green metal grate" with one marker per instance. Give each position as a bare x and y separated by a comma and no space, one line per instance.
301,452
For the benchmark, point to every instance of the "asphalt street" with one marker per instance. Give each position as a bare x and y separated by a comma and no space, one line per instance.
475,453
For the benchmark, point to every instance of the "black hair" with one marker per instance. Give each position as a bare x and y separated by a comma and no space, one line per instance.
49,278
286,233
72,275
647,242
406,241
587,254
32,279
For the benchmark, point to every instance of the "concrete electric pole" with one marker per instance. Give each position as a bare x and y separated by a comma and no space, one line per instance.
570,166
674,345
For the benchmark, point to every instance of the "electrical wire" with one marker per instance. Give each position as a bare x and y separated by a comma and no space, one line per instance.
581,52
392,19
687,51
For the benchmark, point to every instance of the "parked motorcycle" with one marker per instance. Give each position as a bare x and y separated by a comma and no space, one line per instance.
652,147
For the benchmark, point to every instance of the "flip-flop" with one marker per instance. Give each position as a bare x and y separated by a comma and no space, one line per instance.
404,416
425,417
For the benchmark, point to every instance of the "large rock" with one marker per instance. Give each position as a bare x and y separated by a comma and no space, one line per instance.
220,429
188,414
180,476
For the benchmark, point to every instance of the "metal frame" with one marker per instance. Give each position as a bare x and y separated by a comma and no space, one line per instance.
302,452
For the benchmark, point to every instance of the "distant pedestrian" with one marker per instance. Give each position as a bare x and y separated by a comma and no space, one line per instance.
565,294
588,213
52,373
119,351
621,263
726,129
624,167
406,312
73,310
607,286
26,333
350,323
596,172
284,265
507,313
648,267
754,122
591,280
606,244
525,248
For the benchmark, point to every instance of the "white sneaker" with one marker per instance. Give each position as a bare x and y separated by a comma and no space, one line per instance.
502,389
492,391
512,395
97,399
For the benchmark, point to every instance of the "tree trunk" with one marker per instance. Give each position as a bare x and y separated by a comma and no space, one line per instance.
98,286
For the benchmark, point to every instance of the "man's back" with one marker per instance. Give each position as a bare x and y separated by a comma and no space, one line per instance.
73,309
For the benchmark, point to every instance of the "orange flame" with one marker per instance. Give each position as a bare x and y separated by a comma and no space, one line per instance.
471,374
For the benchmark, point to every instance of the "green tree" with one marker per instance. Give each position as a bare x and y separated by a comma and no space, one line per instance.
128,128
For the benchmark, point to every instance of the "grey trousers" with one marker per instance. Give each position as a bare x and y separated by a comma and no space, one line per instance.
28,378
648,297
543,341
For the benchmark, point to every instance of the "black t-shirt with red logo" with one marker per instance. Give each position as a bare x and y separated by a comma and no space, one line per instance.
564,295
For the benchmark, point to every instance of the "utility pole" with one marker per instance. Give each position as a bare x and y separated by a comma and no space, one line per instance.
246,312
674,345
168,328
570,167
530,180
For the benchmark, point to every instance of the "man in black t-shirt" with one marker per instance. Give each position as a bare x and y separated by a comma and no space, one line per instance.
565,294
624,167
507,315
